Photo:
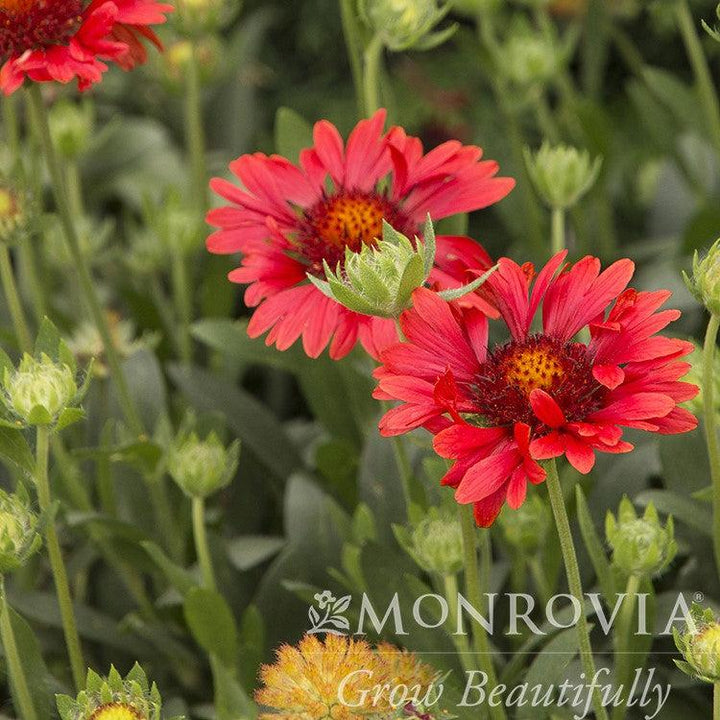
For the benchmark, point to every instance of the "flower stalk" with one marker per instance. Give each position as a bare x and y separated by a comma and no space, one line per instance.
474,589
202,547
57,565
622,642
558,230
572,569
12,297
12,656
372,62
710,419
86,282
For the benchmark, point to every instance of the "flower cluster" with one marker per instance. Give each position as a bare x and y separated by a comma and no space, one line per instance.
497,412
289,221
305,680
46,40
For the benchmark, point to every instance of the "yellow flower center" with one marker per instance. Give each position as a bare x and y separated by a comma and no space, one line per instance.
117,711
533,368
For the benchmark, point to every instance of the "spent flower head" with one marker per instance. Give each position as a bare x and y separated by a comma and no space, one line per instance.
435,542
19,531
561,174
113,698
380,278
704,283
641,545
202,467
404,24
526,528
699,644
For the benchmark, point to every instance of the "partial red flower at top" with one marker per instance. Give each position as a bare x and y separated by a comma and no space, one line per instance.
542,394
287,219
60,40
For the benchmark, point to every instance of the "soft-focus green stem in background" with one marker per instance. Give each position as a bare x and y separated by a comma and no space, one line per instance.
474,590
67,614
558,230
83,272
12,296
12,657
595,51
183,302
623,671
202,548
194,133
10,122
716,701
450,589
710,421
701,70
372,61
351,31
573,576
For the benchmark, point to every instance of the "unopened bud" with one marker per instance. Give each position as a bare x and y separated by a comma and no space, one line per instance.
202,467
561,174
404,24
435,542
700,645
526,528
71,126
704,283
641,546
19,536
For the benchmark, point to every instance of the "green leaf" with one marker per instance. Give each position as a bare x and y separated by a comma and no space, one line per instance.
231,701
14,449
259,430
48,340
595,546
250,551
212,624
292,133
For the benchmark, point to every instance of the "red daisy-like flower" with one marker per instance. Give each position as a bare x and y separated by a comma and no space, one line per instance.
288,219
59,40
541,394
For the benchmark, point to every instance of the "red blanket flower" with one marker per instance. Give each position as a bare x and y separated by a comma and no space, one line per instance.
287,219
541,394
60,40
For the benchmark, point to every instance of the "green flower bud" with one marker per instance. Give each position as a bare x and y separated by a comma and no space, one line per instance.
19,536
39,390
435,542
71,127
12,213
201,467
561,174
705,281
700,645
403,24
380,279
641,546
526,528
529,58
113,698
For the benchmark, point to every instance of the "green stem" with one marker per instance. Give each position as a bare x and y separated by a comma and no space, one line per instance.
183,304
351,31
404,468
595,48
163,515
67,614
194,134
573,576
622,643
716,701
12,656
202,548
474,591
10,122
13,300
538,576
701,70
450,588
372,60
558,230
83,272
710,418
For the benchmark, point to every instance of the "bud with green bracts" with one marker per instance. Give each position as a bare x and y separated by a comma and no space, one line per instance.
202,467
526,528
20,531
700,645
640,546
380,279
561,174
704,283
